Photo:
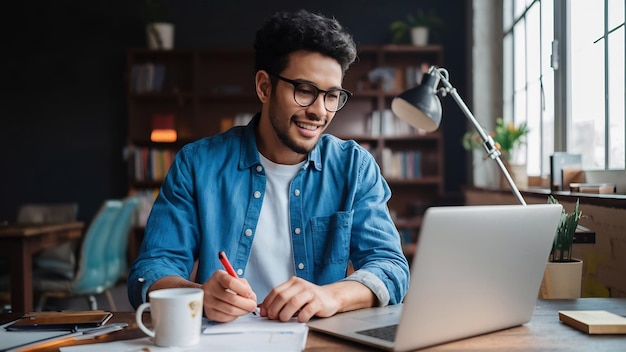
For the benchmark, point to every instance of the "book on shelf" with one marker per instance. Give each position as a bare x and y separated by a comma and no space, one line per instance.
401,164
559,161
147,77
572,174
374,123
146,196
394,79
150,164
413,74
595,188
241,119
386,123
388,78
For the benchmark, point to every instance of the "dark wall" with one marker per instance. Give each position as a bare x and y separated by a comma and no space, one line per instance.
63,120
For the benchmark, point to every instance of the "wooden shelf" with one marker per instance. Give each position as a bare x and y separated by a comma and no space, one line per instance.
432,180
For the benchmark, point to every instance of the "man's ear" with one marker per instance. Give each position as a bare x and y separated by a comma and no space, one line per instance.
263,86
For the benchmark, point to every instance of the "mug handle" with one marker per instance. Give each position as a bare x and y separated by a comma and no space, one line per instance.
139,316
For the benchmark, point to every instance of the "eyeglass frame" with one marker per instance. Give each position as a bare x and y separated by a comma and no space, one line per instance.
319,91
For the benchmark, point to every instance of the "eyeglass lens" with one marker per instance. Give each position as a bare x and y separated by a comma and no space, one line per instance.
305,94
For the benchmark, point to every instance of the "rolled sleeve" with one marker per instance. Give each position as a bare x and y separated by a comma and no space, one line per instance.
143,275
137,290
375,284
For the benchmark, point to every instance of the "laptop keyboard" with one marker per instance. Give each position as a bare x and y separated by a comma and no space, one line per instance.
387,333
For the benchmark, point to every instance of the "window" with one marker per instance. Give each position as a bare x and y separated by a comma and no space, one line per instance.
567,81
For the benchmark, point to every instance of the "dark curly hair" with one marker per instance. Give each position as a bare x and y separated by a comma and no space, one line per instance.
287,32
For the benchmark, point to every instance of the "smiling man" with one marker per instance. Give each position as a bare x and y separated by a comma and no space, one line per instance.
291,206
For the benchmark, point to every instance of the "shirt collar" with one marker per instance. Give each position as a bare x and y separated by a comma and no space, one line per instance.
250,153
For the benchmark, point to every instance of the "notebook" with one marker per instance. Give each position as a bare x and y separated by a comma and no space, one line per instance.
477,269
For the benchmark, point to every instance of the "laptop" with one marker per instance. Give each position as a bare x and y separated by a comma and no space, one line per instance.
477,269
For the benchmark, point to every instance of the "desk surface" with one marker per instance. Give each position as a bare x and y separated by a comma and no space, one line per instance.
544,332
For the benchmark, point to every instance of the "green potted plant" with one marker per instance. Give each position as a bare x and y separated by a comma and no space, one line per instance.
563,274
507,138
159,29
564,237
418,26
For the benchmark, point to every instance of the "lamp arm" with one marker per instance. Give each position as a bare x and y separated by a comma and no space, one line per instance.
488,142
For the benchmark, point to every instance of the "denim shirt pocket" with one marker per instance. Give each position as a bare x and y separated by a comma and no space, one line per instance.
331,238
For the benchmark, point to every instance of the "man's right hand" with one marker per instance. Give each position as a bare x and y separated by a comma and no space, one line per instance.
226,297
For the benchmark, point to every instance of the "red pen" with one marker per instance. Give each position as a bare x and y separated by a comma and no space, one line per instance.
229,269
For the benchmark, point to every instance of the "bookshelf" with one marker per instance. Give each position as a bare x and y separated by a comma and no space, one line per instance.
210,90
206,91
411,161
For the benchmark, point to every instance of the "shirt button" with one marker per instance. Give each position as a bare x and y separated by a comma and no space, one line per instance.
259,168
248,232
300,266
297,230
257,194
239,272
296,192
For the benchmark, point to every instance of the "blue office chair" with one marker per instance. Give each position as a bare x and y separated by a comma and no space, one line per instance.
90,276
116,253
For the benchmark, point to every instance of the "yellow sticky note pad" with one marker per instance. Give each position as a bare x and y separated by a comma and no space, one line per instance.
594,321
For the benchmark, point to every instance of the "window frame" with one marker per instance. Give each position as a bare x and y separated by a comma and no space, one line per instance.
514,15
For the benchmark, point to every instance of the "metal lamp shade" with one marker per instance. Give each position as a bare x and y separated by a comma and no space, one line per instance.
420,107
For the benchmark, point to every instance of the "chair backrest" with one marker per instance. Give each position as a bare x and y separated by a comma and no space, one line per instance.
91,274
117,245
52,212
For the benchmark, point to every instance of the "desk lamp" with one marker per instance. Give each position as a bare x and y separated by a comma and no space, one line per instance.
421,108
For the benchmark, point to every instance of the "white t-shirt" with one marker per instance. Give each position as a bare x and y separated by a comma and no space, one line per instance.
271,258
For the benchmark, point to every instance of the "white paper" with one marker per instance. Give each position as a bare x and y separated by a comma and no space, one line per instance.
247,333
10,340
254,323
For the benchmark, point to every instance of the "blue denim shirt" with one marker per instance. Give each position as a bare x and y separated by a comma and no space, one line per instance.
211,200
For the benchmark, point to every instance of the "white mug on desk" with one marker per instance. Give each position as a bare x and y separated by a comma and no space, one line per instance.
176,316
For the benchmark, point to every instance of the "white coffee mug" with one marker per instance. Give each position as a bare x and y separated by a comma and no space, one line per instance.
176,316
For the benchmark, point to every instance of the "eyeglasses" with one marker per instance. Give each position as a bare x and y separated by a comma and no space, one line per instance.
305,94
